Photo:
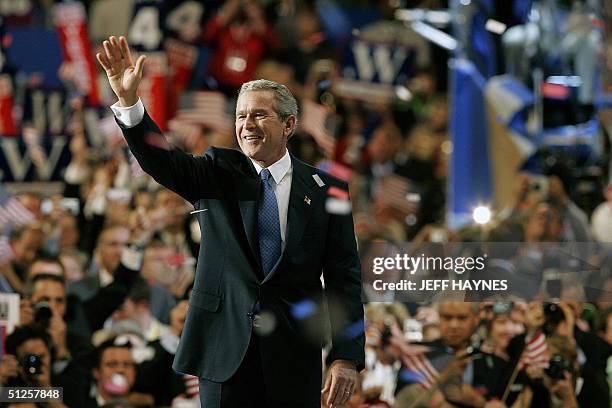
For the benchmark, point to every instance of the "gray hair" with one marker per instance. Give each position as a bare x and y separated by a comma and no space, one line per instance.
285,103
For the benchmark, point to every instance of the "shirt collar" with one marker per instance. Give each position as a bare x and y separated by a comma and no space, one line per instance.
105,277
279,169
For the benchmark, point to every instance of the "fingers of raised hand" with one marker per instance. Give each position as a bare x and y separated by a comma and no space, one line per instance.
125,50
106,44
116,49
103,60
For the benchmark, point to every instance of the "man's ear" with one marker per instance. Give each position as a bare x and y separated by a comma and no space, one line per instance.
290,126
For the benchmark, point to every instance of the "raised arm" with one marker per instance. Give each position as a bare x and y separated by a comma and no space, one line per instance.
182,173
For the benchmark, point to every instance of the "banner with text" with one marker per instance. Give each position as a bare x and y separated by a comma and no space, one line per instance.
487,271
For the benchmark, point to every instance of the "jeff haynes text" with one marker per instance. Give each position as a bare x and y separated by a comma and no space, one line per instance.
442,284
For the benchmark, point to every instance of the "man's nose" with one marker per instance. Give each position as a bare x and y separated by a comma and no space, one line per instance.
249,122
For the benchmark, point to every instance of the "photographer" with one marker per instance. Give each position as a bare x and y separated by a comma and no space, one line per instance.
584,356
115,374
468,377
72,363
558,384
89,315
28,360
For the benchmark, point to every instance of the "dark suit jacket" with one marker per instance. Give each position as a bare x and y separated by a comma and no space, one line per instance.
89,305
229,281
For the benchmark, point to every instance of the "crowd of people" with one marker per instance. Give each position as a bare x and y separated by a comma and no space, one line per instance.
105,267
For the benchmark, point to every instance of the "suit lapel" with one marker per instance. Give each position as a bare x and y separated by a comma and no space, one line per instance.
248,189
300,208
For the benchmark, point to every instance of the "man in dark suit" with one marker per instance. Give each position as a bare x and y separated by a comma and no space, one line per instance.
258,311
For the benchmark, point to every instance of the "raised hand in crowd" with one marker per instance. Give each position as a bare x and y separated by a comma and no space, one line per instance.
57,331
9,368
564,390
123,75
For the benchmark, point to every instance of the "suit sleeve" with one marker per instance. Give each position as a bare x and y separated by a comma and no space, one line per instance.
109,298
342,274
186,175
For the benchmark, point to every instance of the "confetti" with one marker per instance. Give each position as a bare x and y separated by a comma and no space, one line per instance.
264,323
303,309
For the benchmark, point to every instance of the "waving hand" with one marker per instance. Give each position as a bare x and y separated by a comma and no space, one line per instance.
123,76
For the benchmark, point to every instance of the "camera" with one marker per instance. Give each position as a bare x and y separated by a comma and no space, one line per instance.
538,184
557,366
553,315
385,336
32,364
42,313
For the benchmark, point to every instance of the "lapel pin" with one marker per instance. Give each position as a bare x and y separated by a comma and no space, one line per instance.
318,180
307,200
198,211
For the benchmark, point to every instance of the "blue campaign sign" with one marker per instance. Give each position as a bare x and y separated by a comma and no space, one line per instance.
16,164
36,50
374,62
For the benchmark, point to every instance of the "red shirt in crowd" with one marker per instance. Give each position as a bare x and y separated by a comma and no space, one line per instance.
238,50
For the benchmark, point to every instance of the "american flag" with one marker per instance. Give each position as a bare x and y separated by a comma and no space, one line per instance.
419,370
398,192
204,108
536,351
6,251
314,122
417,366
336,169
12,211
192,385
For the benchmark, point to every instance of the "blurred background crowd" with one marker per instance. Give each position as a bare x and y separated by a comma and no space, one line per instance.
452,121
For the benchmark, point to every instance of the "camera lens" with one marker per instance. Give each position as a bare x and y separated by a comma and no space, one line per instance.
31,363
42,313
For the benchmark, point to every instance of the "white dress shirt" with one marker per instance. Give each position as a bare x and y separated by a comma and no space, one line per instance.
281,171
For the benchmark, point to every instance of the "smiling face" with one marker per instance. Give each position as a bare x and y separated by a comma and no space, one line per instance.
261,133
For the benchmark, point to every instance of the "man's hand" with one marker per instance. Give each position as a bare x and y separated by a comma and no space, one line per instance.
564,390
123,76
9,368
340,383
57,331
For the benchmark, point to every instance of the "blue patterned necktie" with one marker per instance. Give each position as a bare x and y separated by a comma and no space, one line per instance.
269,225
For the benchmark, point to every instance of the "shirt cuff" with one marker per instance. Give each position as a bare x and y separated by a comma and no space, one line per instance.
129,116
